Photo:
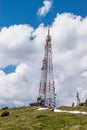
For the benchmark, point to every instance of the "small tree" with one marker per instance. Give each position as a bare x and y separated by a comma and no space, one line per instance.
86,102
73,104
81,104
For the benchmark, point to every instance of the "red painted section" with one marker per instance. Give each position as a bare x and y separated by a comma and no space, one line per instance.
47,89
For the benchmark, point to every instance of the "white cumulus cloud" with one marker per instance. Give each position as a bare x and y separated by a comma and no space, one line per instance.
23,46
45,9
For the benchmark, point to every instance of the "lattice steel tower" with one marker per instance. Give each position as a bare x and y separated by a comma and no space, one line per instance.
47,89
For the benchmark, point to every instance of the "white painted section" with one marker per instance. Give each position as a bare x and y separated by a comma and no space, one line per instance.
73,112
42,108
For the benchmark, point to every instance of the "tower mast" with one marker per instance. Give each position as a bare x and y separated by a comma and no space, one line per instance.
78,99
47,89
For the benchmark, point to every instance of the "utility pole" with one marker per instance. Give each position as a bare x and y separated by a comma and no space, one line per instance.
78,99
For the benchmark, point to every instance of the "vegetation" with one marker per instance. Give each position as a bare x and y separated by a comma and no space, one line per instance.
4,113
4,108
83,103
29,118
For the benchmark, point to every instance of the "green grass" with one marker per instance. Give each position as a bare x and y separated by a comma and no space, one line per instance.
28,118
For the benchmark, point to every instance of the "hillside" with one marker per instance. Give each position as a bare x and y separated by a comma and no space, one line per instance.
29,118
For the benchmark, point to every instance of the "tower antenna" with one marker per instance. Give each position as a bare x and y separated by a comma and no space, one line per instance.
48,31
47,89
78,99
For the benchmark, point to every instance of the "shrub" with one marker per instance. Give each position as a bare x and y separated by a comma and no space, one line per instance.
4,108
81,104
86,102
4,113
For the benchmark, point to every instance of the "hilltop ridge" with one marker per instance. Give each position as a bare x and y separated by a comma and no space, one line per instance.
29,118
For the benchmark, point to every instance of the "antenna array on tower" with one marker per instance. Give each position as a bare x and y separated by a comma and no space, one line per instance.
47,89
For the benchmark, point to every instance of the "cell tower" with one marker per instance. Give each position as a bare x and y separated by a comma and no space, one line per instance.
47,89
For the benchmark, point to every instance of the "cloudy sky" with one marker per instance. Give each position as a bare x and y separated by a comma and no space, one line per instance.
23,31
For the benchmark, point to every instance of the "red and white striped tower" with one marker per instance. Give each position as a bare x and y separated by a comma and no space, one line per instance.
47,89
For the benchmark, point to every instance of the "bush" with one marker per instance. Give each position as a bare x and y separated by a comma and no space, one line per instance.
86,102
4,113
81,104
4,108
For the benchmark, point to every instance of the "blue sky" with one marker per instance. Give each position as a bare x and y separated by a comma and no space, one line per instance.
23,30
24,11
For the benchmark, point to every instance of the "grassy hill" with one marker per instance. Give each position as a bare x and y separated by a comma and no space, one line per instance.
28,118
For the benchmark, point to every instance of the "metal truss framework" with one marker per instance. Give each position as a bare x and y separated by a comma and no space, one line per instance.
47,89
